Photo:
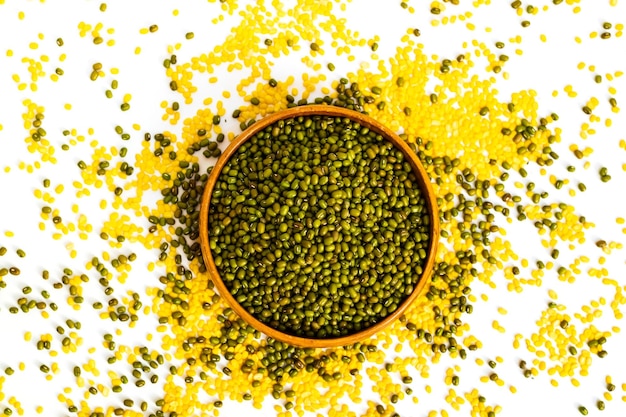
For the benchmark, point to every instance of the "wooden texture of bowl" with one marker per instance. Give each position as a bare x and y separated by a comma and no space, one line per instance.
425,187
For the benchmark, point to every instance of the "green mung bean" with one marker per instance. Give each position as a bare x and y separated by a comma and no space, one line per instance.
310,262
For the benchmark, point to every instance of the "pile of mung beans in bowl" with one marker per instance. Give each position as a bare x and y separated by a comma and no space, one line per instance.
319,226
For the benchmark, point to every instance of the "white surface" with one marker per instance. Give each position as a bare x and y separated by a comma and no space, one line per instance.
543,67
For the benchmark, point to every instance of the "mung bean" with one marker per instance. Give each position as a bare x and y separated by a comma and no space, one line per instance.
319,271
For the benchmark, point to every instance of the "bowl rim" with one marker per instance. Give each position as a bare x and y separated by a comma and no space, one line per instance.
422,180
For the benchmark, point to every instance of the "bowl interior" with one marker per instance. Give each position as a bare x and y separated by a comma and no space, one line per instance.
423,182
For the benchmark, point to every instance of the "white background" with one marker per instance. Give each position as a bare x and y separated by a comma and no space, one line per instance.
544,67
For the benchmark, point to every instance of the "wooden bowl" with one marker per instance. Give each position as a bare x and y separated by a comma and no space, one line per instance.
422,179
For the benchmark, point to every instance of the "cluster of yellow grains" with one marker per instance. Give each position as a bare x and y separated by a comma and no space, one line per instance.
561,347
440,119
98,33
269,34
